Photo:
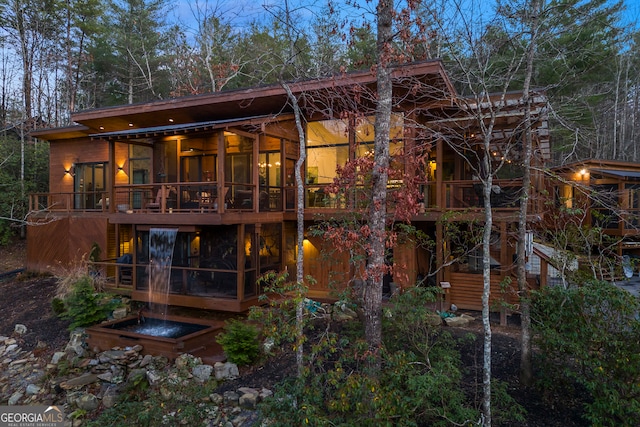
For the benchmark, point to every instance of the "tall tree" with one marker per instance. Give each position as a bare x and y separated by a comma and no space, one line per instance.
328,47
525,15
361,52
575,56
81,24
138,36
372,295
216,47
30,27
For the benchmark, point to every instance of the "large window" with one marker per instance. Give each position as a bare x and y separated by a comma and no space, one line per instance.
139,170
140,164
633,203
270,172
364,135
328,147
89,185
238,169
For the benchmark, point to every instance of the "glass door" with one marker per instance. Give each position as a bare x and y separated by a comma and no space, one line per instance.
89,185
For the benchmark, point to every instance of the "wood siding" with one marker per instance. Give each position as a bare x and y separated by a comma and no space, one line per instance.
64,154
329,267
466,291
59,245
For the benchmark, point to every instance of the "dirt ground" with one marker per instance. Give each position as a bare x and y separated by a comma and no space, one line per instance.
26,299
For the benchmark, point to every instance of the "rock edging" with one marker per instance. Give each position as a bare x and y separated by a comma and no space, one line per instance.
99,379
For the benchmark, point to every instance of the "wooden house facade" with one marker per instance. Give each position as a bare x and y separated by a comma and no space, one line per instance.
606,195
220,169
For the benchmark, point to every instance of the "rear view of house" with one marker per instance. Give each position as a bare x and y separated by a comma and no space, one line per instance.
220,168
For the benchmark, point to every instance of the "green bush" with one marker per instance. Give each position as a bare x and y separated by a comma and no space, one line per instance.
57,305
84,306
337,389
590,336
419,382
240,342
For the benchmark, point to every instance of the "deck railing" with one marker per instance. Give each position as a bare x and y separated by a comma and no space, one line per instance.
193,197
505,194
206,197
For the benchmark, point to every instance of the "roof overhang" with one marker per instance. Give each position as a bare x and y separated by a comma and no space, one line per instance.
617,173
429,76
613,168
182,129
53,134
504,112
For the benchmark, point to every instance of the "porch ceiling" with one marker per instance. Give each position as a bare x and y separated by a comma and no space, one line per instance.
173,112
180,129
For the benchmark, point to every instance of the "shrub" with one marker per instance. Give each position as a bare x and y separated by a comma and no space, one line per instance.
419,382
57,305
240,342
84,306
590,335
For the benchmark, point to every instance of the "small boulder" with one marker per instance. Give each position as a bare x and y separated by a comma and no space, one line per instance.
231,397
202,373
88,402
456,321
81,381
33,389
434,319
146,360
119,313
343,313
226,371
76,343
153,377
249,397
15,398
110,397
57,356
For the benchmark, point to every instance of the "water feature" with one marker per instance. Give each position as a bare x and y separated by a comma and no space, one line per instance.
161,244
169,336
162,328
158,332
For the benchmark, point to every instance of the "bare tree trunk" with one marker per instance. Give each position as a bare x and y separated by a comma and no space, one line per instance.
377,218
300,228
526,372
486,278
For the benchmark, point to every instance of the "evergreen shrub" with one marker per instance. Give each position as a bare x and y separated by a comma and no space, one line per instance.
84,306
589,336
240,342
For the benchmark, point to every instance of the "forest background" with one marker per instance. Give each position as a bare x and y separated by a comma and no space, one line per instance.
61,56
